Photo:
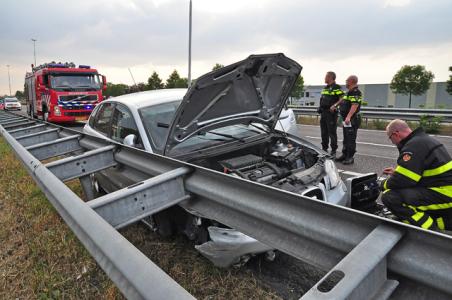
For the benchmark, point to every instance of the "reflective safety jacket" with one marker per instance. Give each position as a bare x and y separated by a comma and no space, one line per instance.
423,162
330,95
353,96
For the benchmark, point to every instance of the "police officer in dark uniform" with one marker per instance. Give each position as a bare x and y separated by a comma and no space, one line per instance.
419,189
349,107
331,94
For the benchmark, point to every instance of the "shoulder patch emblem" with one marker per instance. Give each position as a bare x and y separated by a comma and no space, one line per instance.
406,157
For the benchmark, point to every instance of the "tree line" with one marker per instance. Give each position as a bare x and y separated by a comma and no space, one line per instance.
154,82
409,80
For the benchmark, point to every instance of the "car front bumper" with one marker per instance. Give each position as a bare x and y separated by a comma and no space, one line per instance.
229,247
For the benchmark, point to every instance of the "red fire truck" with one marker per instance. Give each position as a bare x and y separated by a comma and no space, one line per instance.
58,92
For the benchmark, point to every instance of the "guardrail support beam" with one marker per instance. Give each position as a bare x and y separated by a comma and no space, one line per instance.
362,274
37,138
11,121
142,199
8,119
54,148
28,130
19,125
84,164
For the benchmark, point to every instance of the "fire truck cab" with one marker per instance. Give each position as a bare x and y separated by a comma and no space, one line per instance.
62,92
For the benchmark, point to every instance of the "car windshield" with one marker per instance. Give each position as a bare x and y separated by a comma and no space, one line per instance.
217,136
75,81
157,121
11,100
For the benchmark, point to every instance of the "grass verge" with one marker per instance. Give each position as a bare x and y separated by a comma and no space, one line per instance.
41,258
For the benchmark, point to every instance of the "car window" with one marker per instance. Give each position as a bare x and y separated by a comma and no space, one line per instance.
123,124
157,120
92,117
103,118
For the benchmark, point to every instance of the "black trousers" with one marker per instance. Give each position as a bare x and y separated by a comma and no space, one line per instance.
328,129
350,134
420,206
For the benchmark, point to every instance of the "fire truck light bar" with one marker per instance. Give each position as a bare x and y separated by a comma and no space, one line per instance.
84,67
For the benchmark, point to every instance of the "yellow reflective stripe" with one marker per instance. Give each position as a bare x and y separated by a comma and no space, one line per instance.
445,190
427,224
408,173
440,170
385,185
435,206
440,223
406,222
353,99
417,216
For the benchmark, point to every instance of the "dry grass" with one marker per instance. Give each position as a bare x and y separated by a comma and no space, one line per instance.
41,258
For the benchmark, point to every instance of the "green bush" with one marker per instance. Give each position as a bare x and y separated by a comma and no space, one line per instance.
431,124
379,124
413,124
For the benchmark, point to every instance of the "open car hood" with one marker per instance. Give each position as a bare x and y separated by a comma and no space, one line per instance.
251,90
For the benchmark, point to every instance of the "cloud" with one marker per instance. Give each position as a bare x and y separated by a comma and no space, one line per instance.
397,3
145,35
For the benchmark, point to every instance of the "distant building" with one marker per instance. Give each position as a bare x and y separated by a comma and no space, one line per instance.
380,95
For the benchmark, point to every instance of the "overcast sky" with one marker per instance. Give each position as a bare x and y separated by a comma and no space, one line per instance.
371,38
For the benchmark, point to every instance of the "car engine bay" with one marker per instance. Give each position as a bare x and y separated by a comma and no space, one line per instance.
278,163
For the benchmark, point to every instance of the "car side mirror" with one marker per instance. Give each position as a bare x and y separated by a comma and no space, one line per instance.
130,140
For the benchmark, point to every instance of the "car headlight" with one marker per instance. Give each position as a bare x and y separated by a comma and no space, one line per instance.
332,174
56,111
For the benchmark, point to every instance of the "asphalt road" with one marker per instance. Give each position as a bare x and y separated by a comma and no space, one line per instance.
76,126
374,150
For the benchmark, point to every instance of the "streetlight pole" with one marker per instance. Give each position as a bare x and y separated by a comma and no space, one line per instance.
9,81
189,47
34,49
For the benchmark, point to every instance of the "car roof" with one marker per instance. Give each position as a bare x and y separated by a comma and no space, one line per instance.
148,98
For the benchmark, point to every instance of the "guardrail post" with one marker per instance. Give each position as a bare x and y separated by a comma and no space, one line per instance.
362,274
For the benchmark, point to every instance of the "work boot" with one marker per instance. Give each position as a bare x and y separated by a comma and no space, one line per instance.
333,153
340,158
348,161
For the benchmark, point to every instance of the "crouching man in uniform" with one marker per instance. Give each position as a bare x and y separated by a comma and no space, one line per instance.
419,189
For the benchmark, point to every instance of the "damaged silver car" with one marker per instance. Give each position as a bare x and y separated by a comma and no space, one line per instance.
227,121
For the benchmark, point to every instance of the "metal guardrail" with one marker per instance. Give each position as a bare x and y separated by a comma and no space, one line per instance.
409,114
361,251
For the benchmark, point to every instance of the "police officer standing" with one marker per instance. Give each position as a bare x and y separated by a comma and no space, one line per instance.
419,189
331,94
349,107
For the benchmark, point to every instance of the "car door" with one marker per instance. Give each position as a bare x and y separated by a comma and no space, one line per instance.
115,121
123,124
101,121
